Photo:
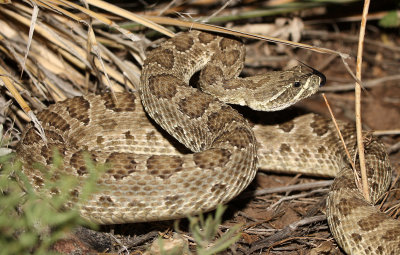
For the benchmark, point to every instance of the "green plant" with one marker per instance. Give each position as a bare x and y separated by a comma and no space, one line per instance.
390,20
31,221
3,144
205,231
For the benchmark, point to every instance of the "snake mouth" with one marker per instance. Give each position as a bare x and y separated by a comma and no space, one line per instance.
316,72
320,75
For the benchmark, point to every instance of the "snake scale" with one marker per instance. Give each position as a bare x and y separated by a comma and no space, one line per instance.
198,152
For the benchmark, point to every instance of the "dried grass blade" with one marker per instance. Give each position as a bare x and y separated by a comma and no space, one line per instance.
360,138
35,12
214,28
129,15
58,9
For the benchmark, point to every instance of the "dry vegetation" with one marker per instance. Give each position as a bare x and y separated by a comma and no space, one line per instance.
73,50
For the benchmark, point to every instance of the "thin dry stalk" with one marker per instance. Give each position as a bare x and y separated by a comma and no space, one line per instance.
4,76
340,135
366,84
224,30
358,104
386,132
293,238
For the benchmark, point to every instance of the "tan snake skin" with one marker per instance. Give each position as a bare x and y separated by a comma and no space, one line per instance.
150,179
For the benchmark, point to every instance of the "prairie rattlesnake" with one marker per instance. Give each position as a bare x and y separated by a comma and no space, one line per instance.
152,180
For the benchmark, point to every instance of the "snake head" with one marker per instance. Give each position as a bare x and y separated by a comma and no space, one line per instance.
281,89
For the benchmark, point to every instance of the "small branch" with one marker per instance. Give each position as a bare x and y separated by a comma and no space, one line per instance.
297,196
360,138
339,132
386,132
218,11
366,84
286,232
297,187
395,147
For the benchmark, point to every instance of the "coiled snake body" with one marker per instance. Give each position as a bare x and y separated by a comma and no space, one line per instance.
150,179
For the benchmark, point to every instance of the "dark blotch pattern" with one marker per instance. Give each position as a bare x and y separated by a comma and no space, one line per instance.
48,151
183,43
390,234
219,119
345,206
151,136
136,203
108,124
31,137
211,74
285,148
106,201
164,85
164,166
356,237
122,164
240,137
164,58
210,159
305,154
123,103
77,161
287,126
99,140
56,144
74,195
38,181
206,37
322,149
230,58
129,136
78,108
344,181
217,187
52,119
226,43
169,200
194,106
371,222
320,126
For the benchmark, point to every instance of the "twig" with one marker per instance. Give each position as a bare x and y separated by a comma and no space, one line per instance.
167,7
293,238
224,30
123,249
387,132
395,147
218,11
348,37
284,233
360,139
366,84
301,195
297,187
142,239
339,132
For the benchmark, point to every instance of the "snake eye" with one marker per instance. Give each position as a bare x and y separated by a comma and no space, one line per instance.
296,84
